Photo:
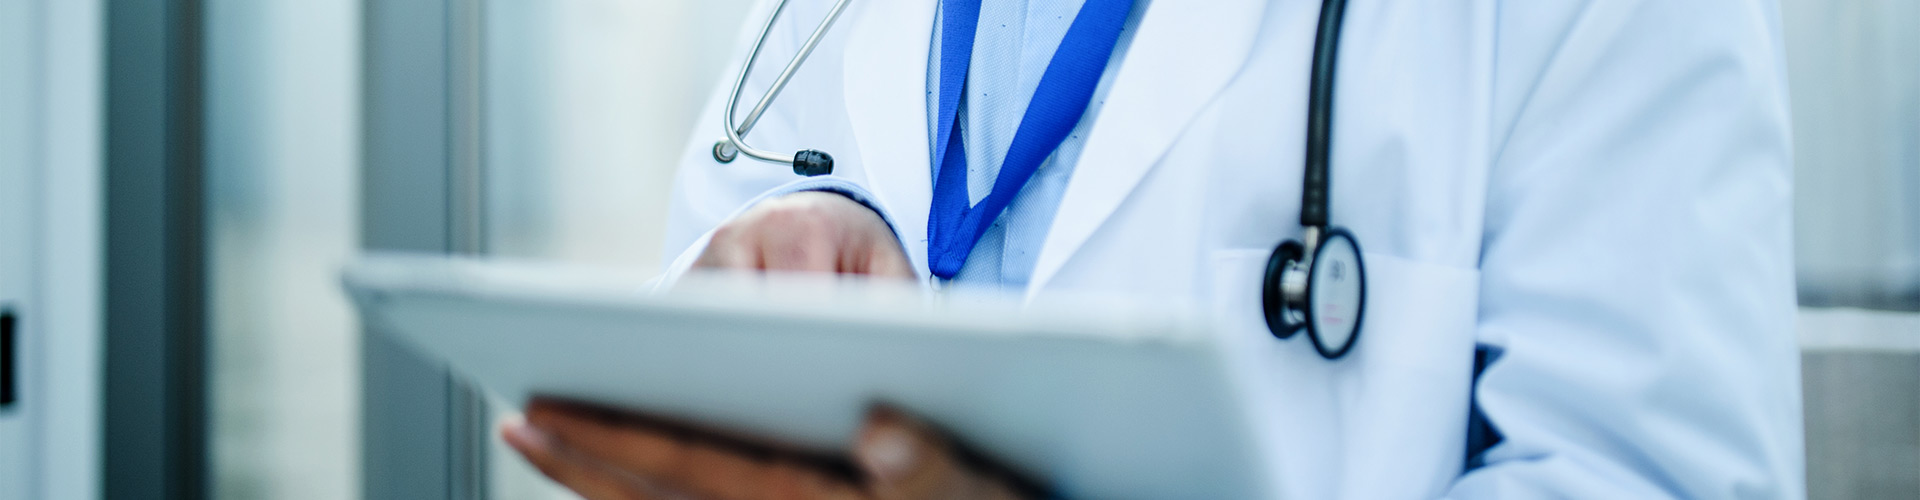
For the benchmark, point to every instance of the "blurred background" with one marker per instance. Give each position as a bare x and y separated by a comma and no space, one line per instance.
190,176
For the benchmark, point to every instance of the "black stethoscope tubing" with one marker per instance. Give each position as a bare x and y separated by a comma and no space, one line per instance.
1314,193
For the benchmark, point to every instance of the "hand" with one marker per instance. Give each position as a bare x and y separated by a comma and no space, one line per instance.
898,458
808,231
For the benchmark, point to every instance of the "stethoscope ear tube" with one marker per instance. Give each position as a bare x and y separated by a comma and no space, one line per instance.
806,162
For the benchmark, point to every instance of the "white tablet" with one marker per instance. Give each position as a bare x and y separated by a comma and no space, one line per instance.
1097,398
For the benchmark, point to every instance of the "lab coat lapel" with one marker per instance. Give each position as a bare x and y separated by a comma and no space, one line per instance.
885,92
1184,54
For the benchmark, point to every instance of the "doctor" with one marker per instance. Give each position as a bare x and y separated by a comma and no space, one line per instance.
1575,219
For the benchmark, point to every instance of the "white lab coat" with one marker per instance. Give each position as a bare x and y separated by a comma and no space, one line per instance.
1600,191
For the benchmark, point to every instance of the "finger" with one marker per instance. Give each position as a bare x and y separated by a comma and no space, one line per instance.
800,232
907,459
722,475
730,247
876,249
803,248
886,260
634,449
788,481
704,470
590,480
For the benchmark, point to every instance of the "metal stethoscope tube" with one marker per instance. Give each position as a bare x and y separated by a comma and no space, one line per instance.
806,162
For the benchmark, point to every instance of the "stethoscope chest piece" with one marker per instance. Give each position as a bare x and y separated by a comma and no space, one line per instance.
1324,295
1319,285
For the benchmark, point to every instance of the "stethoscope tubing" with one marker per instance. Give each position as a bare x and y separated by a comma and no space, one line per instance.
736,136
1315,190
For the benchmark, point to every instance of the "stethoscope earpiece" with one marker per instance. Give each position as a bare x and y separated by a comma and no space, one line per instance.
811,163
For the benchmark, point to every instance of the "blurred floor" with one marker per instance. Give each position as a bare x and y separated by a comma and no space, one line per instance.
1860,375
1863,424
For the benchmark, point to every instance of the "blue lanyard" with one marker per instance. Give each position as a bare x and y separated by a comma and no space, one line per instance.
954,227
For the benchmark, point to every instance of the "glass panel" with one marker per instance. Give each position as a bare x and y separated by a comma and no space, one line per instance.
1856,120
283,118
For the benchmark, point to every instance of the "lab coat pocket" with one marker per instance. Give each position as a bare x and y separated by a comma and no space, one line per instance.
1386,421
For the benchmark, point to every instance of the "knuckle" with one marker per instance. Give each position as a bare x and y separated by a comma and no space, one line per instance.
799,217
727,234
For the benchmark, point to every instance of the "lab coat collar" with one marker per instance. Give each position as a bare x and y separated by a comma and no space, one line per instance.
1184,54
885,85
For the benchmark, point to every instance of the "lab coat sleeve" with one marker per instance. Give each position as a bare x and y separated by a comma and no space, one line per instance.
838,185
1637,285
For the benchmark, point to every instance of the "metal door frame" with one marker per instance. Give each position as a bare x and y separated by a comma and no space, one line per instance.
154,413
425,431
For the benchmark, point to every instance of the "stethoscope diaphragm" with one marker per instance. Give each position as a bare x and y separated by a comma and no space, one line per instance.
1319,285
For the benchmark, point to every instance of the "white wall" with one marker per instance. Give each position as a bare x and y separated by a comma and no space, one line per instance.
19,42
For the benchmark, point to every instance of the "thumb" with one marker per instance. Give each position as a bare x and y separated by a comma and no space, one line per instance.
894,450
905,459
887,260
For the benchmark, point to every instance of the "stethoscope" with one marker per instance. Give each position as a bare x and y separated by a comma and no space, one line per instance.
806,162
1316,283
